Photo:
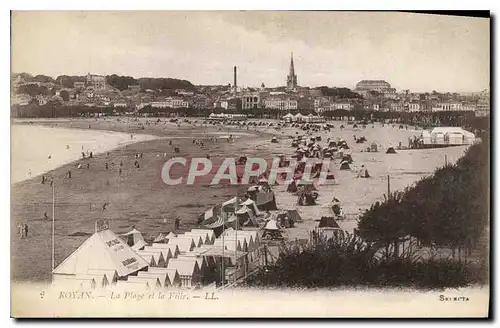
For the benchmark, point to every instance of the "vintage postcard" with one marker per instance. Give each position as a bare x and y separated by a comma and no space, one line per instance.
186,164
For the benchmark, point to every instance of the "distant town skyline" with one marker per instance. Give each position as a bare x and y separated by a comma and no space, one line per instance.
410,51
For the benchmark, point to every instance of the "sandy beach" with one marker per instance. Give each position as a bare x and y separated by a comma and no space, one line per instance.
138,197
33,144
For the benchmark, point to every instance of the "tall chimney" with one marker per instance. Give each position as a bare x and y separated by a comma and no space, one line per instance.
235,85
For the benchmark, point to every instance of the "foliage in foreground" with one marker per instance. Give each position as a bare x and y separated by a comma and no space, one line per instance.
348,261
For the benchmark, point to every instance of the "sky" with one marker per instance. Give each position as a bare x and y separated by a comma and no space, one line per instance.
419,52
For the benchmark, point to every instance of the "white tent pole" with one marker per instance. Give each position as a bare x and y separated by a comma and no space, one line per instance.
53,224
236,239
223,246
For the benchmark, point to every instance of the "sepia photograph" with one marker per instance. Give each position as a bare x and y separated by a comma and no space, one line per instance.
250,164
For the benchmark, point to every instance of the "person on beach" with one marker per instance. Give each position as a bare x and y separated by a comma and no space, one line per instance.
91,155
88,166
83,154
106,166
21,230
25,230
67,146
177,223
45,216
50,156
43,179
104,206
69,173
29,173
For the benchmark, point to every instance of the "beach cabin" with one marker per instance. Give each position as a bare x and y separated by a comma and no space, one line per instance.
166,253
100,279
202,264
210,234
184,244
153,282
149,258
158,258
103,251
77,282
288,118
111,275
162,277
449,136
230,243
203,235
174,280
174,249
189,272
197,239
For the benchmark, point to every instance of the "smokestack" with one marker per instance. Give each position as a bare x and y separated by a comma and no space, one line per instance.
235,85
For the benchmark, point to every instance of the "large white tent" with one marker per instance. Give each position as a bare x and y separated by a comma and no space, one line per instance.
103,251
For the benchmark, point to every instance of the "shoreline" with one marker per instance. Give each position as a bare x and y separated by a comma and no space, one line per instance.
18,158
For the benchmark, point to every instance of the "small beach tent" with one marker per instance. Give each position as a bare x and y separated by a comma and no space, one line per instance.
153,282
75,282
165,252
184,244
203,235
104,251
328,222
210,233
197,239
284,219
294,215
390,150
245,239
246,217
229,205
307,185
363,173
111,275
229,242
163,237
149,258
174,249
100,279
210,214
344,165
174,280
200,260
254,234
189,272
157,253
252,205
271,230
161,276
134,239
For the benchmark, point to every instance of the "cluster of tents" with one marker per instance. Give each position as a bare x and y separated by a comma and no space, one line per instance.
188,260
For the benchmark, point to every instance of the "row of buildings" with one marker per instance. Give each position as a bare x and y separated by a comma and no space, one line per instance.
377,95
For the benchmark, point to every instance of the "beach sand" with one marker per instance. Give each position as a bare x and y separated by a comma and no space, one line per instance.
32,145
139,197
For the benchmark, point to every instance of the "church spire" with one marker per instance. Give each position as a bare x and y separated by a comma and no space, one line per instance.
291,79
